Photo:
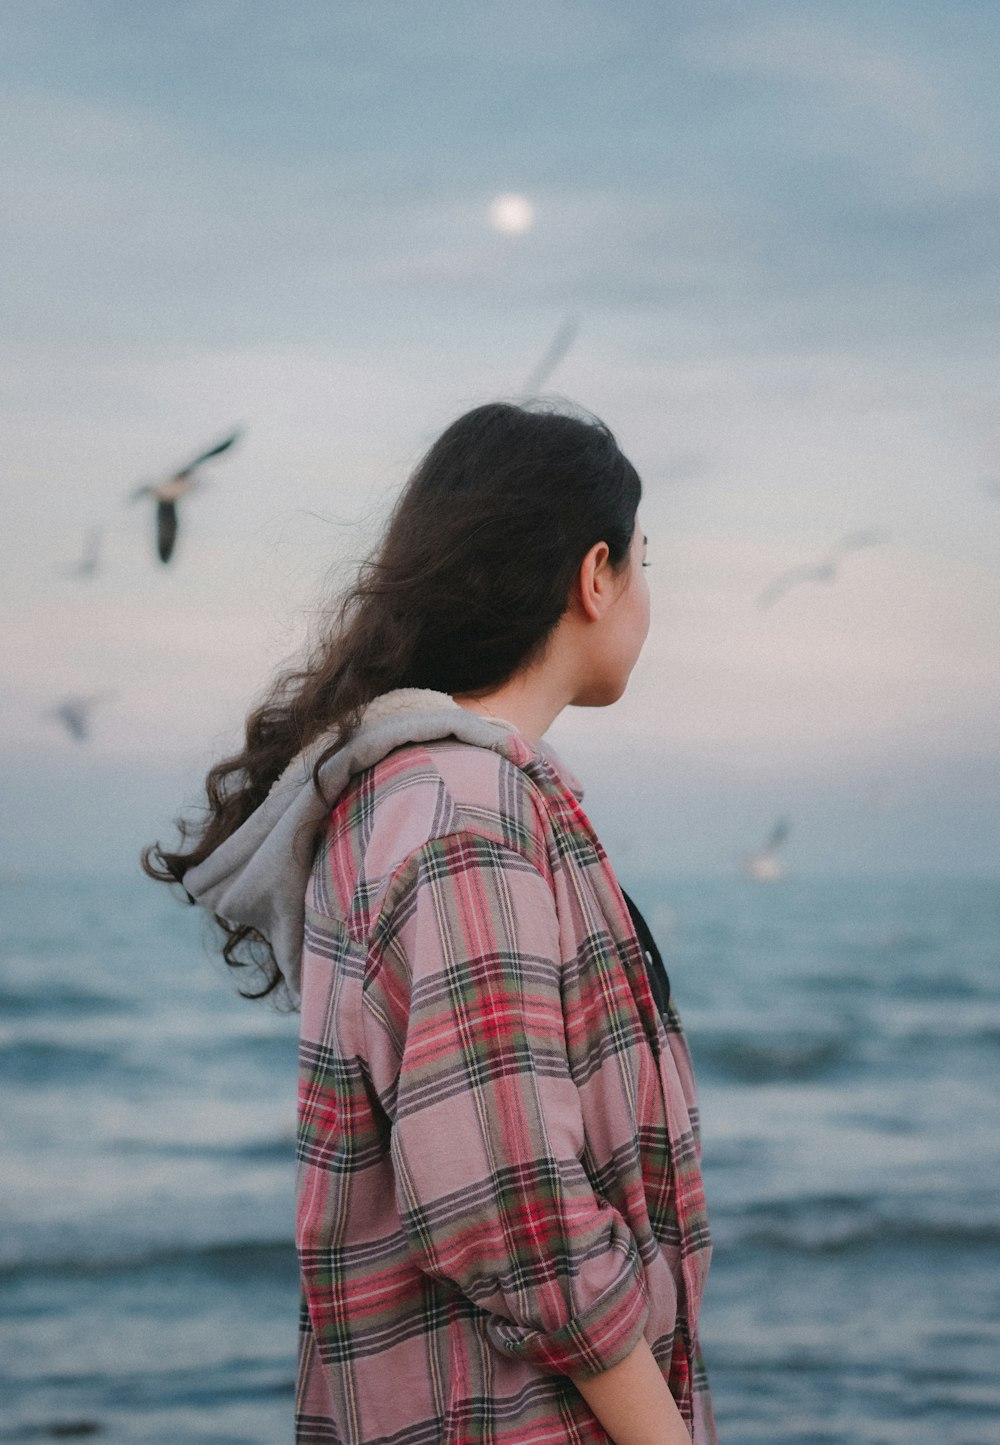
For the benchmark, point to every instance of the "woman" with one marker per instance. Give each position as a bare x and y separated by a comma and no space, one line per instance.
500,1219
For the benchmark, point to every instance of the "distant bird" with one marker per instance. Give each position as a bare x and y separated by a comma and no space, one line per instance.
764,866
558,347
824,571
89,563
171,489
74,713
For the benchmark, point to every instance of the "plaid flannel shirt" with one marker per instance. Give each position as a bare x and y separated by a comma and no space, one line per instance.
499,1178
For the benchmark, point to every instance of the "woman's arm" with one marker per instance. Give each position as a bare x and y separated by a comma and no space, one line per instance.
633,1402
466,1038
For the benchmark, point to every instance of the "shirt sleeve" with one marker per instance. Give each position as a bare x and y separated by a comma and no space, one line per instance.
464,1011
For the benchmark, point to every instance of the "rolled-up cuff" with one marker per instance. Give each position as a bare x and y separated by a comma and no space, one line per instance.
594,1341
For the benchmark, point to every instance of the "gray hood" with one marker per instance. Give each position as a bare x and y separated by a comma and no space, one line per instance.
258,876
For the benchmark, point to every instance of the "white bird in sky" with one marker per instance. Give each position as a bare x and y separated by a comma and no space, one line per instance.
171,489
824,571
764,866
558,347
74,713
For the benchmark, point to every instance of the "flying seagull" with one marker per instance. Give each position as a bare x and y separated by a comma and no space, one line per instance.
89,562
74,713
763,866
560,344
824,571
171,489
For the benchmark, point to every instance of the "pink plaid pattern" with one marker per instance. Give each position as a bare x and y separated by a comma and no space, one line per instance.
500,1176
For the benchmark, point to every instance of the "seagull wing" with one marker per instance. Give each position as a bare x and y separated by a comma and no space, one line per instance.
166,529
560,344
74,713
792,578
73,718
215,451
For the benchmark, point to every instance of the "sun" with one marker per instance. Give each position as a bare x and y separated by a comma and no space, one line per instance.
512,214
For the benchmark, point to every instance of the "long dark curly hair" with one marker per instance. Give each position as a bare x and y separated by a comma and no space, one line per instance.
472,574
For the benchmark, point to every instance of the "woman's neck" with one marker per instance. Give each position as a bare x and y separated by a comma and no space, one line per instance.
531,704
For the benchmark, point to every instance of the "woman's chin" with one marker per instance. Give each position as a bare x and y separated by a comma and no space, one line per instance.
600,694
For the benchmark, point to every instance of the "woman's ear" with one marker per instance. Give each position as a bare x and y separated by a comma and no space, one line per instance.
595,582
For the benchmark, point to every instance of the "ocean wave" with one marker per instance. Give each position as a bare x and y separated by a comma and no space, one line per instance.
260,1049
251,1151
242,1257
39,1061
848,1226
940,987
57,1430
753,1061
59,1001
175,1395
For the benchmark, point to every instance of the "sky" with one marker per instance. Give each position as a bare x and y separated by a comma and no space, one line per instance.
775,226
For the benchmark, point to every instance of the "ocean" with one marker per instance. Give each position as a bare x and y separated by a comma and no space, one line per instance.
846,1037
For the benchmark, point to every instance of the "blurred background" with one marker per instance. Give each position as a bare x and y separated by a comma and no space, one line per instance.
760,241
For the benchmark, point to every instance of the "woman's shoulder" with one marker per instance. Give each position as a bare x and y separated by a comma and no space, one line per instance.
422,792
430,790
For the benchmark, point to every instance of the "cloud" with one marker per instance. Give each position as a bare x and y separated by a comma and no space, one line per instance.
855,94
327,176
